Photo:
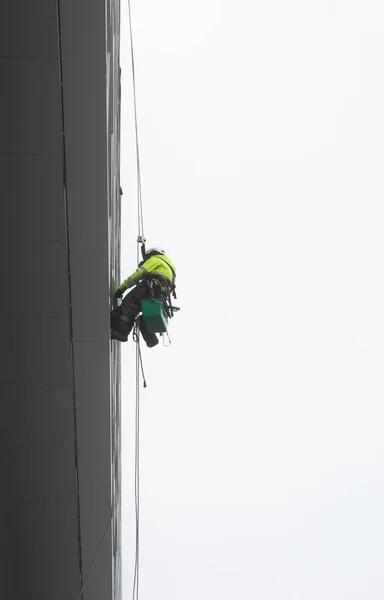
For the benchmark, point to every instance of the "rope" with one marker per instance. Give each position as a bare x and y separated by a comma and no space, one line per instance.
140,213
95,557
136,337
135,593
139,366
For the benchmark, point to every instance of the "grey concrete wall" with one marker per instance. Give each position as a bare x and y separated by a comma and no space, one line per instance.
85,118
55,386
40,533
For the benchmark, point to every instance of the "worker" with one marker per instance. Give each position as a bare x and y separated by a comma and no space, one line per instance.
154,277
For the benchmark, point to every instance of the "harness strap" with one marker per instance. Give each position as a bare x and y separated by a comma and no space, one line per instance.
165,292
173,273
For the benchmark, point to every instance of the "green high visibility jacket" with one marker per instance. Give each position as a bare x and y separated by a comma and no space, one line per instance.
158,264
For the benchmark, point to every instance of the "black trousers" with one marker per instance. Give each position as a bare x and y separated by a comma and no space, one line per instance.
130,308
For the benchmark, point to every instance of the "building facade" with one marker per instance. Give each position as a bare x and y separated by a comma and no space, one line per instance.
60,233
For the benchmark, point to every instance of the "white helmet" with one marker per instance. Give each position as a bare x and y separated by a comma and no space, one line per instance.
155,250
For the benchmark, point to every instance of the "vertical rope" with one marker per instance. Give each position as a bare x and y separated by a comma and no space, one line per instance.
140,227
69,288
140,212
135,593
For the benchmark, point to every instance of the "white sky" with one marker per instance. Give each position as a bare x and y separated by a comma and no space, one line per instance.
262,448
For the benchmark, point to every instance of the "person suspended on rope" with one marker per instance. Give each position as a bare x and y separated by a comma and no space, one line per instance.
154,277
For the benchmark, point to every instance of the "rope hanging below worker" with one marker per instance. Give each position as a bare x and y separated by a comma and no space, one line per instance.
139,363
135,592
163,280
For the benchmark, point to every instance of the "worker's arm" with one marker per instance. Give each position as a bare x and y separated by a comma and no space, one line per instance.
142,271
131,281
134,278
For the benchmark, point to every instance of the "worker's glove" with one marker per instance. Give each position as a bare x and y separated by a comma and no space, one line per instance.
118,294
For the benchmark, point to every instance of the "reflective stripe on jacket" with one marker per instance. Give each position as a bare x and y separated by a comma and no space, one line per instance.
159,263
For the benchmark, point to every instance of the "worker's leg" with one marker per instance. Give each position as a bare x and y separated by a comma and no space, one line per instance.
149,338
115,317
130,308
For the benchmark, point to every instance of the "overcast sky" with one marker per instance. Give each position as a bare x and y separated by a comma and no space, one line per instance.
262,450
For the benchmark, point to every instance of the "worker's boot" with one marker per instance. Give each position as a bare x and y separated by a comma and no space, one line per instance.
118,335
124,329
